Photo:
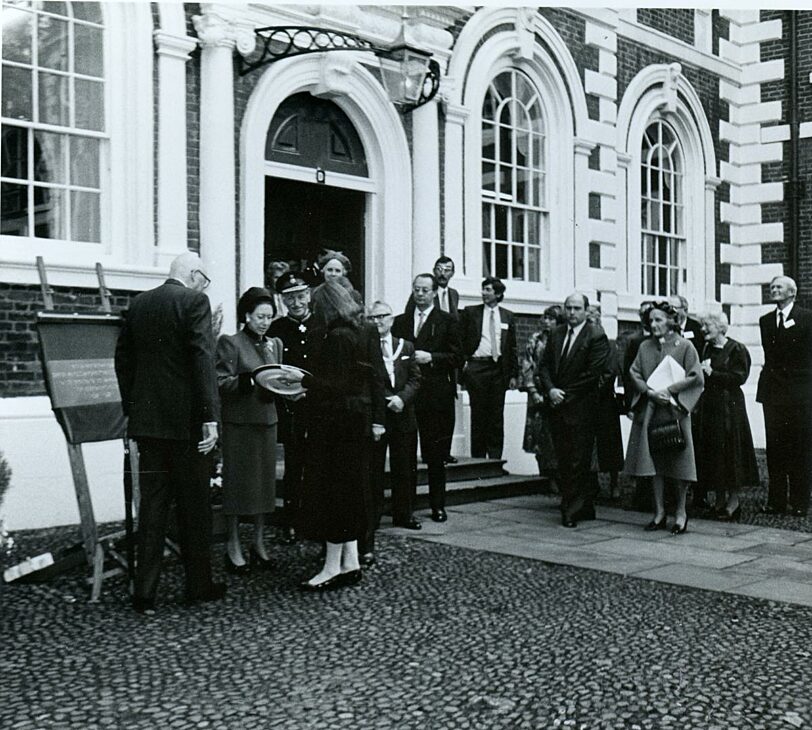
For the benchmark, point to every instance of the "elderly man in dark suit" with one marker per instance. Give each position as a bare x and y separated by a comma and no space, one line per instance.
436,339
785,394
166,374
401,384
489,346
570,370
689,328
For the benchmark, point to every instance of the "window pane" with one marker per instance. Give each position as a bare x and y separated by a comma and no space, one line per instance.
488,176
14,206
523,178
501,261
504,144
84,162
538,151
524,90
662,281
87,44
53,7
533,222
488,142
501,222
89,105
648,249
518,262
87,11
14,155
522,148
502,84
53,99
49,157
648,273
506,181
486,220
662,250
655,221
17,29
49,213
517,230
85,216
488,107
52,47
17,93
533,264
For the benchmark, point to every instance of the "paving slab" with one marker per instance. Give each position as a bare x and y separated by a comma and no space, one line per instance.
777,589
696,577
673,551
549,532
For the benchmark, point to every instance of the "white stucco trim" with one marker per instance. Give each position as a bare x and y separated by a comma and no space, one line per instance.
661,91
127,198
389,210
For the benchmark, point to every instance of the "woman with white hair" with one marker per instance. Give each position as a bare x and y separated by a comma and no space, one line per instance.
725,459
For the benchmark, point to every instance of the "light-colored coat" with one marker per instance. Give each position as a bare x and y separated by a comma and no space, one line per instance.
679,464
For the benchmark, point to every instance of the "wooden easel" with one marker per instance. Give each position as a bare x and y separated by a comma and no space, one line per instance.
98,548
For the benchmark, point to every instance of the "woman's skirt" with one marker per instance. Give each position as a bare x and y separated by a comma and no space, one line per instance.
249,469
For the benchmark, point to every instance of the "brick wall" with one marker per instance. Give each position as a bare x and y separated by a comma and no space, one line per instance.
21,374
193,134
720,28
676,22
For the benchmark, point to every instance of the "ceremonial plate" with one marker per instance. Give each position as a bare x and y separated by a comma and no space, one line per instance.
272,377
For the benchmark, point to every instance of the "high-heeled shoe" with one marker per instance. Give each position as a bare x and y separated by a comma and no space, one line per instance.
233,568
652,526
679,530
326,585
725,516
351,577
259,561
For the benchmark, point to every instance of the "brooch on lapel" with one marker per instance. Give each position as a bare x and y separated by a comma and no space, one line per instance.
302,328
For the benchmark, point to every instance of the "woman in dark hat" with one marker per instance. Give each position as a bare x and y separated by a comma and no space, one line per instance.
249,426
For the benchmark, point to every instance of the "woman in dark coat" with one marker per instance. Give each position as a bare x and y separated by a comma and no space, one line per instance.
249,426
346,410
725,458
667,403
538,439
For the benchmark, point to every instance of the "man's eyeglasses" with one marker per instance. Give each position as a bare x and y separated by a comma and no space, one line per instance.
378,317
206,279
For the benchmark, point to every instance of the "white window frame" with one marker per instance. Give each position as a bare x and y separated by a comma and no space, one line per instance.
127,243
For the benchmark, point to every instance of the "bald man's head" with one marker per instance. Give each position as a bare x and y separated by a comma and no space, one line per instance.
188,268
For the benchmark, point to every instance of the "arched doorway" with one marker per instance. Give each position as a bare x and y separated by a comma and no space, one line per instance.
316,185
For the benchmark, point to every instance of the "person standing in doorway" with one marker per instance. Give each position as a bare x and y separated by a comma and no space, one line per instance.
165,368
489,345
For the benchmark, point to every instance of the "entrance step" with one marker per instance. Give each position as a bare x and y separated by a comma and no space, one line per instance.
465,470
479,490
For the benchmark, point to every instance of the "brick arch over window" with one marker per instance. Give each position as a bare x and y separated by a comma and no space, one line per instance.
661,96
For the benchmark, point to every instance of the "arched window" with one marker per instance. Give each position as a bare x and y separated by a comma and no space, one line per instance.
53,120
663,251
514,199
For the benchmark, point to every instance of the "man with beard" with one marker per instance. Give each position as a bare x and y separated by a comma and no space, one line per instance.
300,336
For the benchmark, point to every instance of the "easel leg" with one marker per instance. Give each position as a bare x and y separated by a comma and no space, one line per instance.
98,573
90,538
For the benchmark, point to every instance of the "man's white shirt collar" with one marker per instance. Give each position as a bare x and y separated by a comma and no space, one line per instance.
785,311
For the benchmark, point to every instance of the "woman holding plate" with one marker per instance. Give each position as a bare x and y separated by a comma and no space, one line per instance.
346,410
249,427
662,403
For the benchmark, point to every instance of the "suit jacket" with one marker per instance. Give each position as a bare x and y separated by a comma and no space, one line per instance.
165,364
237,356
579,373
406,387
453,303
693,333
439,336
786,378
471,333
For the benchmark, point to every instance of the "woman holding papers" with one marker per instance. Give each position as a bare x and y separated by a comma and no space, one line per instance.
249,426
668,381
725,459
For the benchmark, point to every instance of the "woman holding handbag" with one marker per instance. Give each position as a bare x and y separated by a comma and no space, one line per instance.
668,381
249,427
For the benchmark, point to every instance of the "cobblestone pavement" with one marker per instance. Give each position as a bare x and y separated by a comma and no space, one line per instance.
435,637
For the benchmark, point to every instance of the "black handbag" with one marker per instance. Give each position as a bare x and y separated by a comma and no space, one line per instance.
666,438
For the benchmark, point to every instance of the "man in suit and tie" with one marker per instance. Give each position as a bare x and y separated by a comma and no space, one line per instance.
435,335
401,385
489,346
570,370
166,374
300,336
689,328
785,394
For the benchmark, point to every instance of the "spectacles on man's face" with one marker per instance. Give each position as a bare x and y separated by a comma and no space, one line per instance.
206,280
379,317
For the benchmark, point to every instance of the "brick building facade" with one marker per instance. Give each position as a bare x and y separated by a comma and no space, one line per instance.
182,161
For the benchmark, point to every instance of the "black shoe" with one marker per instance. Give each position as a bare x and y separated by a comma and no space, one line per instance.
288,535
367,560
568,521
351,578
326,585
214,592
585,514
653,525
408,524
798,512
233,568
144,606
725,516
260,562
677,530
768,509
450,460
439,515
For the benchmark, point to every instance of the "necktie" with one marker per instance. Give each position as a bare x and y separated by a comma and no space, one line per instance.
420,317
494,337
387,360
781,320
443,299
567,343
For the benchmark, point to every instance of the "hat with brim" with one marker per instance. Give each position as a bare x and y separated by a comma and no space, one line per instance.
290,283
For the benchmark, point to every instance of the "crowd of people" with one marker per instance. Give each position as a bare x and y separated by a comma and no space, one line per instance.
361,382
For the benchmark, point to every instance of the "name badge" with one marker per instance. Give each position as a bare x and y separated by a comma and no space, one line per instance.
503,325
688,335
789,323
